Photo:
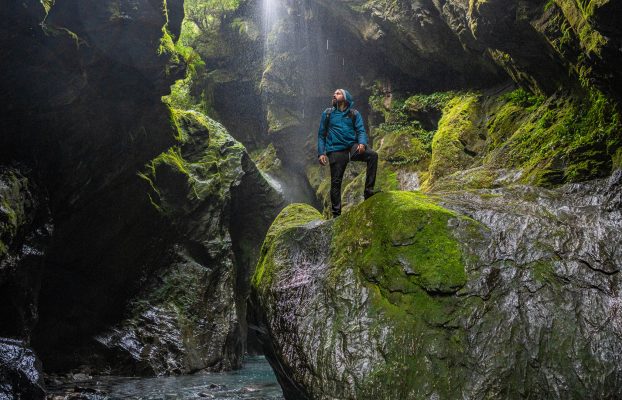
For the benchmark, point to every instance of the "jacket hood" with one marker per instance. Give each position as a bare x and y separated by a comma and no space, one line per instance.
349,99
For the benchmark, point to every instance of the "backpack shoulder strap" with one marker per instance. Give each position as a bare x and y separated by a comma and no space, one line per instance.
353,113
327,120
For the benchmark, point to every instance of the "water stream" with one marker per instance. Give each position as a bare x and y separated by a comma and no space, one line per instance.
255,381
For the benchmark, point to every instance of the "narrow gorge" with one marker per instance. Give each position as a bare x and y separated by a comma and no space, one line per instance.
163,213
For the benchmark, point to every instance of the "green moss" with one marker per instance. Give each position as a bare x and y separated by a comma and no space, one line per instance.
403,144
177,51
401,249
267,159
521,97
617,159
549,4
352,189
564,41
204,164
426,102
504,122
551,140
566,140
180,96
3,249
60,32
319,179
402,147
457,126
403,226
543,271
280,118
292,216
401,245
579,15
47,5
507,118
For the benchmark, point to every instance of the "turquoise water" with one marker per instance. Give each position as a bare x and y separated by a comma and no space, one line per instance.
254,381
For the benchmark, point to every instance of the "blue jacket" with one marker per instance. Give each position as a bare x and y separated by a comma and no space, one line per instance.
341,133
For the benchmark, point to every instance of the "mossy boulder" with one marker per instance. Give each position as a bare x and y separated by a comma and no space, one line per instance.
293,216
378,285
408,296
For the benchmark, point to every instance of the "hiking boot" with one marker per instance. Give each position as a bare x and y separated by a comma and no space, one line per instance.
367,195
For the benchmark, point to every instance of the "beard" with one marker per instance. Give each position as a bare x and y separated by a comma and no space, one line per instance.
338,103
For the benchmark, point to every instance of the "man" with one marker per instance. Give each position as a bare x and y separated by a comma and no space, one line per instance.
342,138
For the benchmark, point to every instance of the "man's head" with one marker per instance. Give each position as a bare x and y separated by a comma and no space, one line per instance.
339,97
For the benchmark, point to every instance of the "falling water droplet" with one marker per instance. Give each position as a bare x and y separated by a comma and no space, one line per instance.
326,44
343,61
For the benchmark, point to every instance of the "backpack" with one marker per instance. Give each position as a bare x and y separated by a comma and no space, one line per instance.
352,114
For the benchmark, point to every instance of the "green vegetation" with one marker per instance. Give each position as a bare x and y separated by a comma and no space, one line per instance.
267,159
397,231
456,127
178,53
280,118
551,140
579,15
319,179
522,98
427,102
561,140
402,147
617,159
204,163
201,38
14,201
401,245
47,5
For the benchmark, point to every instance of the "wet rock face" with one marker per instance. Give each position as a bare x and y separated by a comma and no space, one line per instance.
83,112
550,284
540,45
141,275
512,293
25,229
191,314
20,371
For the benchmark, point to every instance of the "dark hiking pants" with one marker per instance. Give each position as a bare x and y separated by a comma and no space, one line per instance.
338,162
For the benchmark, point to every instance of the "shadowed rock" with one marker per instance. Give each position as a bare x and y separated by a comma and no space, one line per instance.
20,371
191,314
25,230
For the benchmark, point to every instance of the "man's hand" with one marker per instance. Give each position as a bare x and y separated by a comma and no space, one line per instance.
323,159
360,148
